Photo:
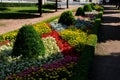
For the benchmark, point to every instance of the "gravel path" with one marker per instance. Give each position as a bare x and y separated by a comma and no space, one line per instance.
106,65
7,25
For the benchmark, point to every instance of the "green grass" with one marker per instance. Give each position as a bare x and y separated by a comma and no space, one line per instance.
21,12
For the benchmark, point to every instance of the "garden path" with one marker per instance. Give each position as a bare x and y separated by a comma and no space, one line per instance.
7,25
106,65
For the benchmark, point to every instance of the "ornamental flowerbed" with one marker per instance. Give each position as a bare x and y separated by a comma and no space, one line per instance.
63,47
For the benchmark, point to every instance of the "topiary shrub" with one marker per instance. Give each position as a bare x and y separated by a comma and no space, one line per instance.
67,18
92,5
28,43
80,12
87,8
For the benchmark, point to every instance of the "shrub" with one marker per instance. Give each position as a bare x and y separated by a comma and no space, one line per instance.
96,26
98,8
80,12
92,5
87,8
49,6
42,28
100,14
67,18
28,43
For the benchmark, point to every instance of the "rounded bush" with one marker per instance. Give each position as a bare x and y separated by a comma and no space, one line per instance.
80,12
28,43
87,8
67,18
92,5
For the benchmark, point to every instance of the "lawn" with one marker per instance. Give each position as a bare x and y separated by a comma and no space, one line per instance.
21,12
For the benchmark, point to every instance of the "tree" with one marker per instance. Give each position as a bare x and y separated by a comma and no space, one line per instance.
40,7
56,4
67,4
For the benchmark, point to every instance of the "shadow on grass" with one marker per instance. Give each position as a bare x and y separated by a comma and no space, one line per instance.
17,16
3,9
24,14
35,11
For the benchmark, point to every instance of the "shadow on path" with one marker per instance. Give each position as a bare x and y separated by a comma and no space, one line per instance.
107,67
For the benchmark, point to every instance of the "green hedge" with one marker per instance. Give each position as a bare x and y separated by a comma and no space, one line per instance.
100,14
17,4
96,26
84,63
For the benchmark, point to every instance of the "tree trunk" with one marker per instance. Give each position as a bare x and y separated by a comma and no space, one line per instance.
40,7
56,4
67,4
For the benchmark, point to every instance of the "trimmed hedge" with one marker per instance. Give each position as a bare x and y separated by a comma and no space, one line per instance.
100,15
96,26
84,63
17,4
28,43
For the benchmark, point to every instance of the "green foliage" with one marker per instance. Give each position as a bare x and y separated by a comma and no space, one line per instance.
92,5
67,18
98,8
92,40
84,63
96,26
80,12
28,43
87,8
49,6
100,14
17,4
